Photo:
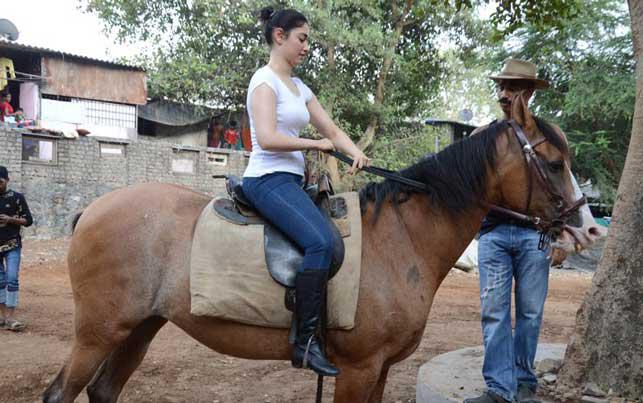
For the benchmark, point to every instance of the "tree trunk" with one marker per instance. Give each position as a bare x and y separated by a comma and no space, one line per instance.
607,345
331,162
400,21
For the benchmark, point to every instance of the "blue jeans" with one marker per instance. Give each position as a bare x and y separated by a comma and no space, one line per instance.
505,253
9,269
281,200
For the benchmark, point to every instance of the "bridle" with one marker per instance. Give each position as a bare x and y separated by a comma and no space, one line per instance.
549,229
533,164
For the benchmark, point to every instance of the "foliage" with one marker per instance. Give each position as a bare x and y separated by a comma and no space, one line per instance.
541,15
590,65
205,51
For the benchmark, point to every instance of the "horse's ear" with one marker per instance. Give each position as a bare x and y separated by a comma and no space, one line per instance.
521,114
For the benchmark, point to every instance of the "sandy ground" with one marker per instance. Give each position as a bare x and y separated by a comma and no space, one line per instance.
179,369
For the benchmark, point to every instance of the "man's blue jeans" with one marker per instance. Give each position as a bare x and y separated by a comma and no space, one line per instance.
280,198
505,253
9,270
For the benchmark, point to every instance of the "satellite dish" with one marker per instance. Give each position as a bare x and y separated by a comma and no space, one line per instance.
465,115
8,30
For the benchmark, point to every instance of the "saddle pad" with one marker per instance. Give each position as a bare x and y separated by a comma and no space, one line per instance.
229,278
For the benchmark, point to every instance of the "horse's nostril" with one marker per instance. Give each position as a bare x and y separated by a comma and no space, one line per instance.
594,231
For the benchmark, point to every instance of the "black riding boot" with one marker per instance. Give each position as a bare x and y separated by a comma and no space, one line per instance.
310,289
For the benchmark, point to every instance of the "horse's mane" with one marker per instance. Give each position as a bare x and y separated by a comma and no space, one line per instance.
456,176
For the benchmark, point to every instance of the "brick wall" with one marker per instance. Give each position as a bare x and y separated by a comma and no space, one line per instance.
55,192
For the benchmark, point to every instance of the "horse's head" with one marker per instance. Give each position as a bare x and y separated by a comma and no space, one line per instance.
537,180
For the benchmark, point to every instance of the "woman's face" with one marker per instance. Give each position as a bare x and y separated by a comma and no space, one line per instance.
293,45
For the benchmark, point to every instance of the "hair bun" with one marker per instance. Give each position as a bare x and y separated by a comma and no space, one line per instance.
266,13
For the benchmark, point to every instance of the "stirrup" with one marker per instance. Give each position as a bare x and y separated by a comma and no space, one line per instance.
304,360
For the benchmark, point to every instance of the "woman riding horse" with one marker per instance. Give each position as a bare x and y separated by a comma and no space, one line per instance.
279,106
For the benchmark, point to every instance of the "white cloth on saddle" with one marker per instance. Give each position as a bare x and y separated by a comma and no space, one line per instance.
229,278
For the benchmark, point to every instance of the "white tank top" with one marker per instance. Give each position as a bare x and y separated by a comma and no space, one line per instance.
292,117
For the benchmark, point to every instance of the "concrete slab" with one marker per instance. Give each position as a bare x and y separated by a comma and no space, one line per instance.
457,375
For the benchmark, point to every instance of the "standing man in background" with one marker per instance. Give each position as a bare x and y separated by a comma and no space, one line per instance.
14,214
507,251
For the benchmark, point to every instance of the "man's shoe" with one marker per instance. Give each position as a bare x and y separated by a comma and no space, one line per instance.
527,394
14,325
487,397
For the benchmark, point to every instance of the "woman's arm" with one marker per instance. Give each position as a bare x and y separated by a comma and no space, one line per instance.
327,128
264,111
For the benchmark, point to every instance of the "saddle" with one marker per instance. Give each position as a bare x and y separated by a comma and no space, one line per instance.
283,256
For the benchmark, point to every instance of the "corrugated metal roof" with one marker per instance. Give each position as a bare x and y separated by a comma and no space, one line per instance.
175,113
4,43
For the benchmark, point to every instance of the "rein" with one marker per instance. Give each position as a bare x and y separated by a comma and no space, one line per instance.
384,173
533,163
548,229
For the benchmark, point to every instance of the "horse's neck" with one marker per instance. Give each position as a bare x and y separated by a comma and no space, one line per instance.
438,237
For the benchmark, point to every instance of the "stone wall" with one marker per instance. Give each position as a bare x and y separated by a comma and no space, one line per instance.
56,192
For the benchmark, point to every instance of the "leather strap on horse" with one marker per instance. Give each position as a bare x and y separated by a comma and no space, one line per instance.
531,160
394,176
384,173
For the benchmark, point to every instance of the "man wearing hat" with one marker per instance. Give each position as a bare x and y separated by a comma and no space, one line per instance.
14,213
507,250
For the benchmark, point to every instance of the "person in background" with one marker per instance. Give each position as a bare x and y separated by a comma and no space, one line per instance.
246,136
5,106
215,132
14,214
232,136
508,252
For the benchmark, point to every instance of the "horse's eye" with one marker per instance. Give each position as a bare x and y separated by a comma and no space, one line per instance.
556,166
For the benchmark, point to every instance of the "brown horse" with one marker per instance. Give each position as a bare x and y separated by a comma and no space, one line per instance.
129,257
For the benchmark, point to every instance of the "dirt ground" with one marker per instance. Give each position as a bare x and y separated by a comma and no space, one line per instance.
179,369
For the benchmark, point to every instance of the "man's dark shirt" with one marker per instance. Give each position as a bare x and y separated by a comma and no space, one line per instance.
13,204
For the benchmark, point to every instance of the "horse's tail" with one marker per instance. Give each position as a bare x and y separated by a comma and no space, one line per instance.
74,221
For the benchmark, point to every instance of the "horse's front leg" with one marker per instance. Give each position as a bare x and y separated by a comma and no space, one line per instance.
378,391
358,381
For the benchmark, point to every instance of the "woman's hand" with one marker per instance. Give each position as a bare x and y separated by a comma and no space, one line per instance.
360,160
324,145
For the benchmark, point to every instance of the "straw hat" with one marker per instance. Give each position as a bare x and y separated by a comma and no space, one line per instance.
515,69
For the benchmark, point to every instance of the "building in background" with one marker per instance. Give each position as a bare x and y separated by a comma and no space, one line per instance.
73,94
177,123
456,130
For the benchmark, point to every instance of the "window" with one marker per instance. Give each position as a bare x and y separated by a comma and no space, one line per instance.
108,113
112,150
87,111
182,166
217,159
39,150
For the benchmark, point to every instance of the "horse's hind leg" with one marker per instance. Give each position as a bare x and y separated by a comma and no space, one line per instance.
95,339
77,372
122,362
